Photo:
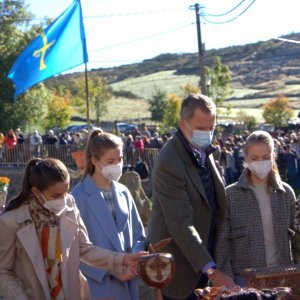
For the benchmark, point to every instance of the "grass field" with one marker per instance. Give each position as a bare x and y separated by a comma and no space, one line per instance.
124,109
168,81
145,86
235,114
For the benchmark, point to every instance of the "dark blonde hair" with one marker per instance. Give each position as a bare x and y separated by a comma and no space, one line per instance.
98,143
42,174
263,137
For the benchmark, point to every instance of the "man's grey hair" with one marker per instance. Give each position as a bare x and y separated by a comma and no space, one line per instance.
193,101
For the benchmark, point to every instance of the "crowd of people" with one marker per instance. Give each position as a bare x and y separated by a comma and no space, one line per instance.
17,137
229,156
225,203
231,162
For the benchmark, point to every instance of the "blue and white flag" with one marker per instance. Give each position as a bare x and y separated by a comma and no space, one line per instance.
60,47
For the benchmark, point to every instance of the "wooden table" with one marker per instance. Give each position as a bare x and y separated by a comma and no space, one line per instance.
281,276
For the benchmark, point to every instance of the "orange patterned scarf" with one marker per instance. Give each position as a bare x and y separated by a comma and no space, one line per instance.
47,227
52,254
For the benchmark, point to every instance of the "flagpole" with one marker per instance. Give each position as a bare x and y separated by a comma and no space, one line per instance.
87,98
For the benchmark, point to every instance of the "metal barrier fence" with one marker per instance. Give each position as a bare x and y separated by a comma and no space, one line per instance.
20,154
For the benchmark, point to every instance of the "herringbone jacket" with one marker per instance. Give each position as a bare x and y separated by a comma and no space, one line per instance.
241,239
181,210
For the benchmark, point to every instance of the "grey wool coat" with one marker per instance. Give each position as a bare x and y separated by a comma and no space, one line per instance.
181,211
241,239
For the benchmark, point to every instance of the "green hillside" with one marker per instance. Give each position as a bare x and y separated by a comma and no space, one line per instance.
260,72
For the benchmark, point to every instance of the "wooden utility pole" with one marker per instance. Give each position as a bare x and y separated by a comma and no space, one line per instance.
200,51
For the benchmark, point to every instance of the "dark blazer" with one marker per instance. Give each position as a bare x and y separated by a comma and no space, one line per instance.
181,211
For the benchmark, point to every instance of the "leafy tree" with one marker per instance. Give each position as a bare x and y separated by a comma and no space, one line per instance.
249,121
171,115
158,105
59,112
30,108
219,76
278,111
15,34
189,89
125,94
99,95
62,91
229,108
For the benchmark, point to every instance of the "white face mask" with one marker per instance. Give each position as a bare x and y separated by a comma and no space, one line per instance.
112,172
56,206
260,168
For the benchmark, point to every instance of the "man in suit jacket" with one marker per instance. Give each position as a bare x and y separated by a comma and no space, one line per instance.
188,200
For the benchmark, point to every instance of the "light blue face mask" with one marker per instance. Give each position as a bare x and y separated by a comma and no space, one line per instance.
201,138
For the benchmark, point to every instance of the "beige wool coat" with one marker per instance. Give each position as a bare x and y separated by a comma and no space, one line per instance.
22,271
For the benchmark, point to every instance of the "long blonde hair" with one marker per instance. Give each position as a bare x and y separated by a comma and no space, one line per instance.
98,143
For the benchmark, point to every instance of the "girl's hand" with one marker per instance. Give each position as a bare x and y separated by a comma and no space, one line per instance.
128,273
131,260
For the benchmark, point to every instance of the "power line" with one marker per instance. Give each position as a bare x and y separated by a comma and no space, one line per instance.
119,60
130,61
287,40
142,38
135,13
226,13
135,60
213,22
129,14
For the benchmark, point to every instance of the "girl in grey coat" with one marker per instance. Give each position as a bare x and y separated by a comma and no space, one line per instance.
259,228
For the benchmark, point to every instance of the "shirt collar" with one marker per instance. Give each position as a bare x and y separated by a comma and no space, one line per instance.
193,151
244,181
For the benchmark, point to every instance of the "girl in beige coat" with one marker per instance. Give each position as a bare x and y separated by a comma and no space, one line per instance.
43,239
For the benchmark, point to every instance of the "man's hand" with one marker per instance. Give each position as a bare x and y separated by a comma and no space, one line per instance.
219,279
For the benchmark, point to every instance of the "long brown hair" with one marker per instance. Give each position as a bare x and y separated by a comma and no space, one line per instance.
98,143
263,137
42,174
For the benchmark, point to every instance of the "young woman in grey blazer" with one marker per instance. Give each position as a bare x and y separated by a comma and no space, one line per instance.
259,228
